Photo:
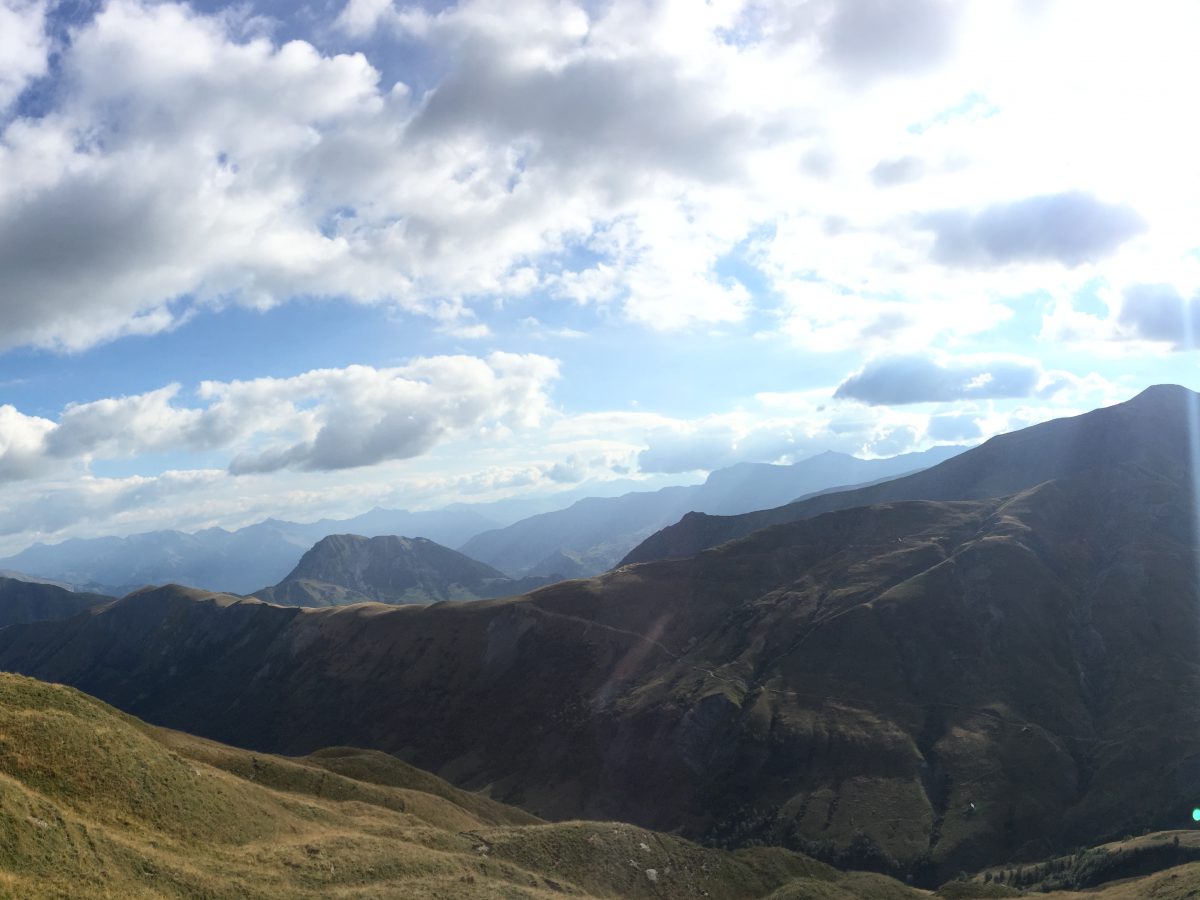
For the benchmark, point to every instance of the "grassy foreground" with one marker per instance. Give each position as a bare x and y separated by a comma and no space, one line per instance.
94,803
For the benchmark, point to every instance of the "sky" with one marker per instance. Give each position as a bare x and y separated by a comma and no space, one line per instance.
303,259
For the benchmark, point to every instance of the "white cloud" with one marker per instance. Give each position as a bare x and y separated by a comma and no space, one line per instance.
325,419
24,47
613,155
924,378
22,439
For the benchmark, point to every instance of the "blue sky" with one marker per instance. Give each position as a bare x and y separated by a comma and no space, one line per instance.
297,260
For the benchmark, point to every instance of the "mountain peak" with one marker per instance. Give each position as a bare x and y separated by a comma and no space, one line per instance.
1163,392
349,568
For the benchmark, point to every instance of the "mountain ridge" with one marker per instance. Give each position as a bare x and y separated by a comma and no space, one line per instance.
1001,465
598,532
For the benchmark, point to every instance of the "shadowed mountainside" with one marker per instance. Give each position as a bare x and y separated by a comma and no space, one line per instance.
1000,466
33,601
348,568
942,684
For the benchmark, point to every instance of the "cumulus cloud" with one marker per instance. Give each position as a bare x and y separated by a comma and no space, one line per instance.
24,47
1159,312
901,170
870,39
366,416
898,380
22,439
617,155
322,420
1070,228
188,165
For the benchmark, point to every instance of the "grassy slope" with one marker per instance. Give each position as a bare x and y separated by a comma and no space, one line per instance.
94,803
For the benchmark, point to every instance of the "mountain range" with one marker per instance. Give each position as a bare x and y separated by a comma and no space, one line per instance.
583,540
919,685
593,534
1001,466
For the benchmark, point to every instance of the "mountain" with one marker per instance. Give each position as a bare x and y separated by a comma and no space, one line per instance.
596,532
349,568
28,601
1000,466
98,804
918,686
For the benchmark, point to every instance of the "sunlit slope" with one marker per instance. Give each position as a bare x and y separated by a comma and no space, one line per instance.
1149,432
94,803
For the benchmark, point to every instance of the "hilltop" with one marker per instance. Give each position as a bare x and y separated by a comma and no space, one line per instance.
349,568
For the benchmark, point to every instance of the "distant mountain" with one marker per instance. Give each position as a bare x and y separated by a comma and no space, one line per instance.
348,568
946,684
1000,466
244,560
28,601
597,532
238,561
